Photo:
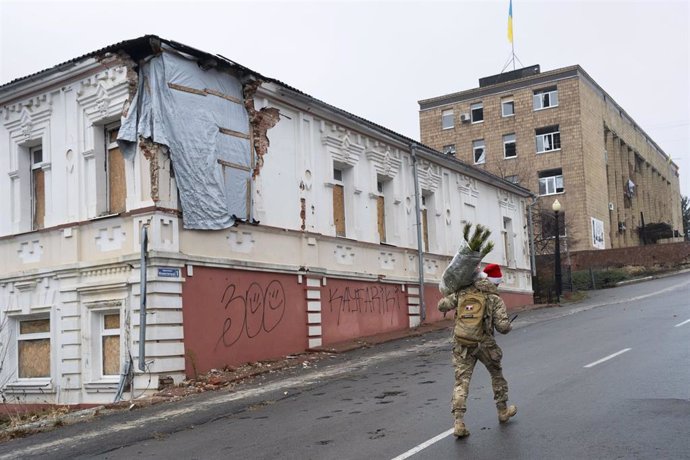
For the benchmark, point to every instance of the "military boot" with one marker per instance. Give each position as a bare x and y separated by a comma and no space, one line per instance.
460,430
505,412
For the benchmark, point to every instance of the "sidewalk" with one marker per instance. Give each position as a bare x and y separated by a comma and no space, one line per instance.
213,381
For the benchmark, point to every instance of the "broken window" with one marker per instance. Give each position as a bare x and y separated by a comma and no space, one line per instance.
447,119
338,202
110,343
551,182
629,188
478,151
548,139
545,98
115,172
509,146
34,348
38,188
449,149
477,112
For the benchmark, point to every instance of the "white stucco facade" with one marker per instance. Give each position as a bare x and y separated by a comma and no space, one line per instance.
82,267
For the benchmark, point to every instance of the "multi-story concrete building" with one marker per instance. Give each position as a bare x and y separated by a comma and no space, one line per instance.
149,229
562,136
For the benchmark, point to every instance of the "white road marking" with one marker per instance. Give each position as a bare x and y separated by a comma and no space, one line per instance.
424,445
684,322
608,357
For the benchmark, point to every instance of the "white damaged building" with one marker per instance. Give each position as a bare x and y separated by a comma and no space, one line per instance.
168,211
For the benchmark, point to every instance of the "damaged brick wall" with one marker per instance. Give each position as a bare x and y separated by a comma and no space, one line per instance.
124,59
151,150
261,121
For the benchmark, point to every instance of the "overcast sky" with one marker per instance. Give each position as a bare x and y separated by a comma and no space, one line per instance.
377,59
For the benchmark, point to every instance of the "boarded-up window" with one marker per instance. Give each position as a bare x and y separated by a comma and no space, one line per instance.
115,166
381,216
339,210
38,192
110,343
34,348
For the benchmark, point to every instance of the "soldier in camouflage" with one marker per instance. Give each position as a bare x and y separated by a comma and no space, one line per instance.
486,350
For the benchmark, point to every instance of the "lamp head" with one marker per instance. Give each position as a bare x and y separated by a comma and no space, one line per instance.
556,206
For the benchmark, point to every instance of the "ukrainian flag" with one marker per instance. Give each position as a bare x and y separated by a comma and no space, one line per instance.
510,22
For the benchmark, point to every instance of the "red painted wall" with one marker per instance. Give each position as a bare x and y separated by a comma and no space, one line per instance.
351,309
233,317
431,297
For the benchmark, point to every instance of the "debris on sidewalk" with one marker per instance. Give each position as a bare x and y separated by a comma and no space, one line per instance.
19,422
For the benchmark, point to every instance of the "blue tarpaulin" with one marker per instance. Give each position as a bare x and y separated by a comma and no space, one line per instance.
200,117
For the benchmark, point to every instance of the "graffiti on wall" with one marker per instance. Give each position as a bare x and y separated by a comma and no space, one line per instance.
249,313
373,299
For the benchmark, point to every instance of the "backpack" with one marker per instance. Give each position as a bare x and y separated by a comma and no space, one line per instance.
469,319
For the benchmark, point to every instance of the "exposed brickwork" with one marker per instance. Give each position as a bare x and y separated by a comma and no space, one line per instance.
261,121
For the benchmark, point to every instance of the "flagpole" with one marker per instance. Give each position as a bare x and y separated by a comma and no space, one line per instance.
510,32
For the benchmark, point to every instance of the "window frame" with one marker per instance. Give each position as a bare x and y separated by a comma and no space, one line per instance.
339,184
381,217
424,219
554,136
110,145
540,95
102,333
449,149
34,336
36,168
476,145
447,114
506,142
508,243
479,107
504,102
552,178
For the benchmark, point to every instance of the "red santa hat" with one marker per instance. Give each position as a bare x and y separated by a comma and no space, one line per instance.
493,273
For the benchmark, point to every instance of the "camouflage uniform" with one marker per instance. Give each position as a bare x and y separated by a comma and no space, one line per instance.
487,351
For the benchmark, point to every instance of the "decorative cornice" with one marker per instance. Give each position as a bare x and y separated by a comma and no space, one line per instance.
429,175
387,162
341,147
467,185
101,95
107,271
23,115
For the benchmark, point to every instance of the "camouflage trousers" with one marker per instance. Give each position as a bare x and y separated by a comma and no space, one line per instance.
464,359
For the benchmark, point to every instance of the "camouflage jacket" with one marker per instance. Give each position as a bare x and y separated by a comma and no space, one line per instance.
496,314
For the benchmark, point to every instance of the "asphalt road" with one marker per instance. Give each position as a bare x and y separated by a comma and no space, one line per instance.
608,377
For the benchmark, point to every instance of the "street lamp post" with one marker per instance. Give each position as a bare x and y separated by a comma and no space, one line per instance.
557,207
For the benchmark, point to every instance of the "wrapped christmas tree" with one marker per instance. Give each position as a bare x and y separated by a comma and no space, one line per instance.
461,271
